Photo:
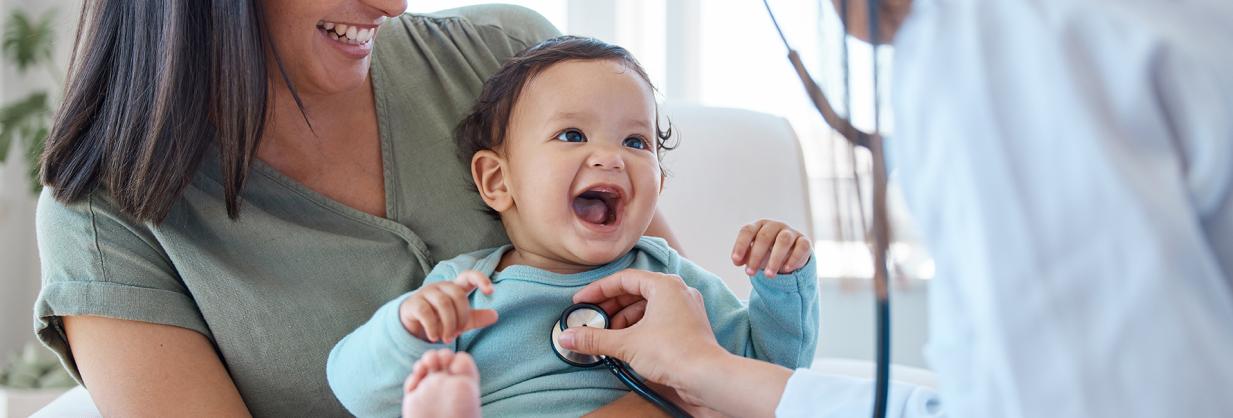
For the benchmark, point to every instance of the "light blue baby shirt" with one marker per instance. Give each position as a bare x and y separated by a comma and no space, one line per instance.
520,376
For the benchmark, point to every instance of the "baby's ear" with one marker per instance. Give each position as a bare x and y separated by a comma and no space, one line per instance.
488,171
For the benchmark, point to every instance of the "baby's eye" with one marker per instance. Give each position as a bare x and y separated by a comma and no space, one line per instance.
636,143
571,135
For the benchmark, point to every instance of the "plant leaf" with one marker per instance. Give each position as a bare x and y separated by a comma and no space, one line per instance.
24,117
27,42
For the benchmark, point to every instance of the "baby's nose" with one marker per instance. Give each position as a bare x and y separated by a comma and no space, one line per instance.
607,159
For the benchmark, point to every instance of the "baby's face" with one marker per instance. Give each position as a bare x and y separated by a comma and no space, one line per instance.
581,163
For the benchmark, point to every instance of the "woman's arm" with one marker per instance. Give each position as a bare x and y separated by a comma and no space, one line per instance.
659,228
138,369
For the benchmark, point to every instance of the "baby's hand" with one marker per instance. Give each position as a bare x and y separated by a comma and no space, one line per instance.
771,246
441,311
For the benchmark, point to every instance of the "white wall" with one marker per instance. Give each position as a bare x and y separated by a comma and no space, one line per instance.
19,270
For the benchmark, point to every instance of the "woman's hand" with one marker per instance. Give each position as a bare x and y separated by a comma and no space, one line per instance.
771,246
441,311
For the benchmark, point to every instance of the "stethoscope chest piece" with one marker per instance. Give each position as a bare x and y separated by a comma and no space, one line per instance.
593,316
579,315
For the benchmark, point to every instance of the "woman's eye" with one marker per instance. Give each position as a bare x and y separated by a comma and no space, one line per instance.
636,143
571,135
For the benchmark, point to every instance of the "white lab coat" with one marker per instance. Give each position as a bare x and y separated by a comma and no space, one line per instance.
810,394
1070,164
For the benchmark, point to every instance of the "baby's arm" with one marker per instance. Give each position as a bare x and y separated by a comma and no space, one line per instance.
367,367
780,322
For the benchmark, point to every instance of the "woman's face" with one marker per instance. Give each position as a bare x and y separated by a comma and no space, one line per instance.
326,45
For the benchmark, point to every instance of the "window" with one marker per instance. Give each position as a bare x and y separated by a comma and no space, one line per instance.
704,51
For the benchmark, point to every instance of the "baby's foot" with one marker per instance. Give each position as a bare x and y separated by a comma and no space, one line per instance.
442,384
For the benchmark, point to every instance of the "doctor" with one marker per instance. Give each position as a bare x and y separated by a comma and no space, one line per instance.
1070,163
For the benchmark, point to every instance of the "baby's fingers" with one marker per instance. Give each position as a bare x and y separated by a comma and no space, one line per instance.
745,237
472,279
480,318
446,314
462,309
780,252
761,249
425,317
800,254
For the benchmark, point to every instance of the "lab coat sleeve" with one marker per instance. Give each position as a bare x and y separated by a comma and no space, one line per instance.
367,368
810,394
1069,164
779,324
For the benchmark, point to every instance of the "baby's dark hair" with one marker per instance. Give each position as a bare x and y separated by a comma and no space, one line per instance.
486,125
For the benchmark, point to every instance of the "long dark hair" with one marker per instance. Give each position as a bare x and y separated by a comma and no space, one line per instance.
152,84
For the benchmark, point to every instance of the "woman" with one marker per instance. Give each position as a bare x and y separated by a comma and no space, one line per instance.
233,185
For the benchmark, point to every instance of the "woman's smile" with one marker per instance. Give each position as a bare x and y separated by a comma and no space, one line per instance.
353,40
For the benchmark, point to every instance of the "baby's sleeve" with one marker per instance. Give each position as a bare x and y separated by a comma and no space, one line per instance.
366,369
778,324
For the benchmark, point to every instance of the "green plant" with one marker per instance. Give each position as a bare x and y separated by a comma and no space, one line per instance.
35,368
27,44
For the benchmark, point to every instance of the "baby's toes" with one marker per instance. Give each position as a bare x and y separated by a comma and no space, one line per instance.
464,365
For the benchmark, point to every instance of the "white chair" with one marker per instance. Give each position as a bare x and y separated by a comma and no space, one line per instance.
75,403
731,168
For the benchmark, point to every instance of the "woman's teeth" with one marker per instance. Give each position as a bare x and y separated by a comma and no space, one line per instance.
346,33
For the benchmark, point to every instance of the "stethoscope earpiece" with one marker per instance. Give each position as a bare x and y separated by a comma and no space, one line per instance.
591,315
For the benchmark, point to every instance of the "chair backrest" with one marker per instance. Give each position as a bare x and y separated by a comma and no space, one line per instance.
732,167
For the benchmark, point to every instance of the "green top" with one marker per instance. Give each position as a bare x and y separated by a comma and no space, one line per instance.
275,289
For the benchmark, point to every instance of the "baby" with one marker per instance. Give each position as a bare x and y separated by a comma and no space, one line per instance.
564,144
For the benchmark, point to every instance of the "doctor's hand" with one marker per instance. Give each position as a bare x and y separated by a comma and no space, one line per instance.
664,323
441,311
771,246
668,340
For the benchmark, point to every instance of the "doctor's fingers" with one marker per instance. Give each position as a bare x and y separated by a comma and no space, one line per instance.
629,315
614,305
472,279
628,282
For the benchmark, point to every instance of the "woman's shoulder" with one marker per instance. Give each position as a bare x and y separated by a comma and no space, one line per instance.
517,22
501,22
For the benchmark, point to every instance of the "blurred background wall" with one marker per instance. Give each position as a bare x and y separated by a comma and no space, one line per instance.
19,271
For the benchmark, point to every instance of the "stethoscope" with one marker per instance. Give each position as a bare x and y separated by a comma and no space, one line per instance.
878,234
590,315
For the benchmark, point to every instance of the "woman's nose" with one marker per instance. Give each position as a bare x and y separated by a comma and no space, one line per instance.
391,8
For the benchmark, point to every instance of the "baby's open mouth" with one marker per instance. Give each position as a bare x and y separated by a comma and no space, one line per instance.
598,205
